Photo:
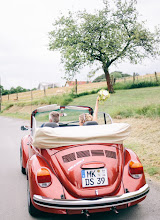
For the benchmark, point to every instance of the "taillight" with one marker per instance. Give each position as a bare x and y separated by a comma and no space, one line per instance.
135,169
43,177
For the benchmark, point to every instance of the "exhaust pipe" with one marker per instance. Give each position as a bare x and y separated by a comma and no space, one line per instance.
86,213
113,209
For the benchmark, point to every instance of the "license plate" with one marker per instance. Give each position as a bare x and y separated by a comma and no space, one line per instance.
94,177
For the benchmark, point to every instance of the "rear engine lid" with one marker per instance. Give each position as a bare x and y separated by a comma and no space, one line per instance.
81,168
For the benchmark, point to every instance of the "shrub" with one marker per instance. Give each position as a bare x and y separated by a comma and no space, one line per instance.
153,170
151,111
8,106
131,85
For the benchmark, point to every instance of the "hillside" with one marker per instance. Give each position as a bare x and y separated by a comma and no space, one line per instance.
27,97
138,107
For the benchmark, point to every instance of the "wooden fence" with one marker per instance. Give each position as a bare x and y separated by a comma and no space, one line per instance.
134,78
37,94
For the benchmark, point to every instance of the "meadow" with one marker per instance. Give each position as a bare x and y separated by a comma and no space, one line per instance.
127,103
121,83
139,107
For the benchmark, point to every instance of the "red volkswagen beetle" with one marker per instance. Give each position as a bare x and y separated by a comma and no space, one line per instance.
74,169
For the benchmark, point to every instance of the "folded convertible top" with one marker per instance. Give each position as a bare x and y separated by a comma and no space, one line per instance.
47,137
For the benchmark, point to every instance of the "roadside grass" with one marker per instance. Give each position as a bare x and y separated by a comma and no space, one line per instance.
153,171
6,107
25,116
138,107
148,157
144,140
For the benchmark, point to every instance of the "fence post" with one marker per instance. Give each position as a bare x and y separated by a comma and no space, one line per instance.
113,80
156,76
44,91
134,77
17,97
31,95
76,86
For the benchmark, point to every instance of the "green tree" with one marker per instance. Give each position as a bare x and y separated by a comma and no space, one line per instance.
116,74
105,37
99,78
3,91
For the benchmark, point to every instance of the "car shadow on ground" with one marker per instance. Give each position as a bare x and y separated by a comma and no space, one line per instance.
123,214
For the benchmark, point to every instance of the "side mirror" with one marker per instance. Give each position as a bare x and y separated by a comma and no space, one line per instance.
24,128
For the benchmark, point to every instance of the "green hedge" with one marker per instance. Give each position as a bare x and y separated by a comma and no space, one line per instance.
131,85
151,111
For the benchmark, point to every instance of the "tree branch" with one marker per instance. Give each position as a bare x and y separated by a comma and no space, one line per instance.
121,53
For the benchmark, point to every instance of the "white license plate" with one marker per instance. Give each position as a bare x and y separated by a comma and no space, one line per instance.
94,177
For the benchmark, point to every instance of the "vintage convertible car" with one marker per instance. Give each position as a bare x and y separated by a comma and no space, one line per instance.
74,169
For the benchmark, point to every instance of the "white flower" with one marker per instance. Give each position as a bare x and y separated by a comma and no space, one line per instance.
103,95
105,92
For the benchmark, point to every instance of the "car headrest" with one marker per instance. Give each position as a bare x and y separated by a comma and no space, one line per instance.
51,124
90,123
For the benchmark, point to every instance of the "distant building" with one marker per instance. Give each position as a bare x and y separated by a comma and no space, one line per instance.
44,85
72,83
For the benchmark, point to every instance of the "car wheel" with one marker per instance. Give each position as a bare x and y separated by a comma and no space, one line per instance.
23,170
32,210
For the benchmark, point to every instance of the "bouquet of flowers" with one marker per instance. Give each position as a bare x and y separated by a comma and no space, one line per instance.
103,95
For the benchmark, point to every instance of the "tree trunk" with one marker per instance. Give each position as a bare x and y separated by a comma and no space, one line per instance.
108,80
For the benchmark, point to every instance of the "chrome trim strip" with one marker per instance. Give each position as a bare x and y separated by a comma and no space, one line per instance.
79,204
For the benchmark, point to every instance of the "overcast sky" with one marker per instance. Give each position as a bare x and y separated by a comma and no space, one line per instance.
24,25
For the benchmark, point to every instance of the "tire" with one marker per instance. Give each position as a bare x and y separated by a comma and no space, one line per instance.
32,210
23,170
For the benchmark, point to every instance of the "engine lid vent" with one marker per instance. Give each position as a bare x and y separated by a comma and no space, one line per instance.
69,157
81,154
110,154
97,152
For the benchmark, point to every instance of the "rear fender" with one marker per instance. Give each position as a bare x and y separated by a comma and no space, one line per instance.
131,184
55,190
25,150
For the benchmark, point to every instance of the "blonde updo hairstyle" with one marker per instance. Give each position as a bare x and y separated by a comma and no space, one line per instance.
85,117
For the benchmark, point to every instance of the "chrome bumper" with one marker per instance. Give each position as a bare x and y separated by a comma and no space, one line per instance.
80,204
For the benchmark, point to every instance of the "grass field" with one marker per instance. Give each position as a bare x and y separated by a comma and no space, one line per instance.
129,106
127,103
37,94
122,104
138,107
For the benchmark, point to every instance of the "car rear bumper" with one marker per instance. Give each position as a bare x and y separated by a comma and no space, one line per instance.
80,204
